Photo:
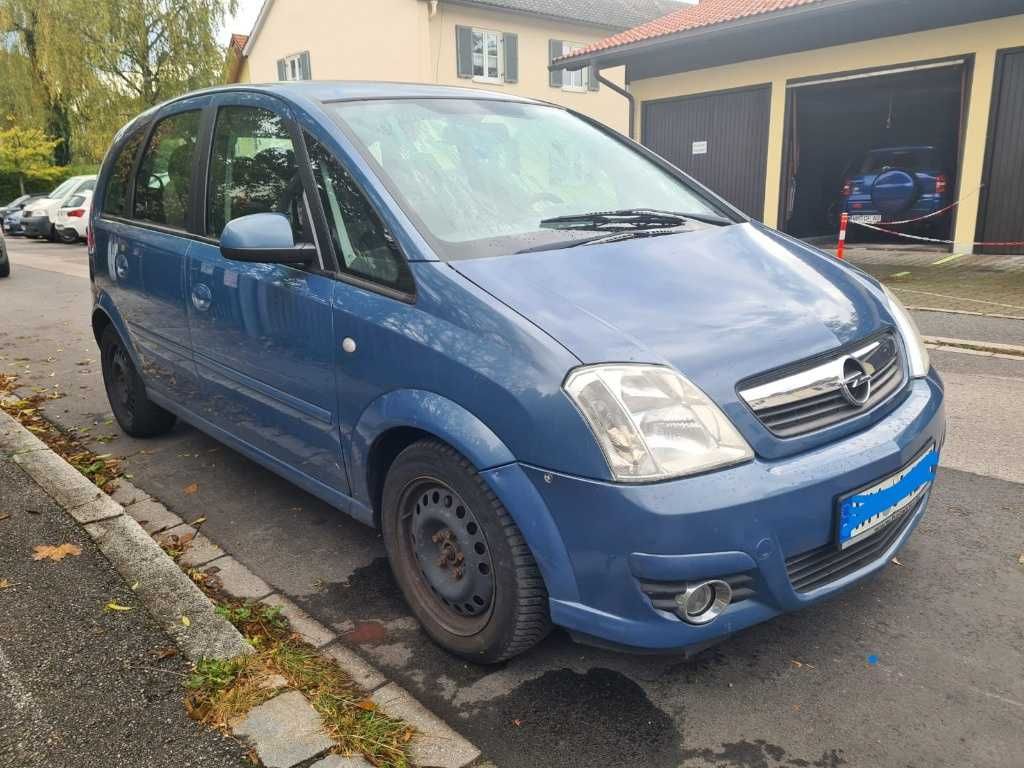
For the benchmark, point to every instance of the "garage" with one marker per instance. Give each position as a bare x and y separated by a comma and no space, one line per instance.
882,145
1000,218
721,139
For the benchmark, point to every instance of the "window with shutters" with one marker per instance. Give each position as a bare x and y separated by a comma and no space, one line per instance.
573,80
487,56
294,67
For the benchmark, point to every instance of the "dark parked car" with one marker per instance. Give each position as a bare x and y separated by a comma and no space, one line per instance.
5,261
14,212
568,383
897,183
16,203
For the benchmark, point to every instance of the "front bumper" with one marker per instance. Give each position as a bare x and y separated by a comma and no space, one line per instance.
613,541
37,226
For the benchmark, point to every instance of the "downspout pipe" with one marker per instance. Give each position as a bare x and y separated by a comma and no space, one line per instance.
622,92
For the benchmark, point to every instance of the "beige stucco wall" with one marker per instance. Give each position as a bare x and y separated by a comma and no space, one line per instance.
982,39
399,40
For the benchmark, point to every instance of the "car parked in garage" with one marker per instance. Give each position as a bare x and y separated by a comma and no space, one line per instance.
14,212
569,384
37,219
898,183
73,218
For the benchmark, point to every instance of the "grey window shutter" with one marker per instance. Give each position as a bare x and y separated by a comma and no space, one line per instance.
464,51
282,70
555,75
511,45
305,73
592,83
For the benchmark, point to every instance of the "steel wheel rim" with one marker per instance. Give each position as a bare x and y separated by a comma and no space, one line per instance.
121,379
447,555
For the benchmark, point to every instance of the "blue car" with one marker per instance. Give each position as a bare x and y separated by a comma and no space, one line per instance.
569,385
896,184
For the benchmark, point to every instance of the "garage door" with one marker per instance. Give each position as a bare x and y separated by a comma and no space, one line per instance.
721,139
1003,191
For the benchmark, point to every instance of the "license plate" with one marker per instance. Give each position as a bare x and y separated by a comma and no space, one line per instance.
865,512
866,219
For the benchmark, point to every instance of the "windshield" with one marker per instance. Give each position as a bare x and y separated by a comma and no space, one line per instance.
483,177
61,190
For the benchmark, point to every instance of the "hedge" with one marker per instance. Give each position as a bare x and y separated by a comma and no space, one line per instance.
9,182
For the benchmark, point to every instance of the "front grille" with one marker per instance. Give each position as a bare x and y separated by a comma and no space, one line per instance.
823,565
812,398
663,593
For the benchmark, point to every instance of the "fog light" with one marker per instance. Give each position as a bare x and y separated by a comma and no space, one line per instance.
703,601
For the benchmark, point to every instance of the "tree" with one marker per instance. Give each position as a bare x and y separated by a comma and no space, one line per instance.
27,152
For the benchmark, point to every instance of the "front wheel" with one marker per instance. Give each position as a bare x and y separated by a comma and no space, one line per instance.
135,412
459,558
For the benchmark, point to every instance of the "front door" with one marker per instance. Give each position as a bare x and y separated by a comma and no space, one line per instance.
262,334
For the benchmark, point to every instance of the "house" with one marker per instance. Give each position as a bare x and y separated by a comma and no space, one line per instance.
773,102
498,44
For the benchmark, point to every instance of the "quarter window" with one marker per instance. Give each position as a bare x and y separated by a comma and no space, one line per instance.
253,170
116,199
164,183
486,55
364,246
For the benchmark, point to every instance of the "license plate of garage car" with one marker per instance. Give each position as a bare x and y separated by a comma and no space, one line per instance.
867,511
866,218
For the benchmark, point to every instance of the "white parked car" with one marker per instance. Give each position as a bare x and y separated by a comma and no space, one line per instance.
38,219
73,218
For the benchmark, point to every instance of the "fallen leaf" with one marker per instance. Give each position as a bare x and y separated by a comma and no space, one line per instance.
5,583
796,663
517,722
198,521
135,585
166,652
50,552
191,488
1020,560
366,704
185,621
5,515
112,606
896,561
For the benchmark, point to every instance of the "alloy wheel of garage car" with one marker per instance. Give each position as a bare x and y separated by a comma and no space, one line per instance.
459,558
135,412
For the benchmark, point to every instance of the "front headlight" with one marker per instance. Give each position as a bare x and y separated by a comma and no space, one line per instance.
652,423
916,351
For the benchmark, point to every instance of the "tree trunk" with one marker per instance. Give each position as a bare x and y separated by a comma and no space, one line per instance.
21,184
58,125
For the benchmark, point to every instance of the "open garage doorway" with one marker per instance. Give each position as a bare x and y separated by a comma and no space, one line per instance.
883,145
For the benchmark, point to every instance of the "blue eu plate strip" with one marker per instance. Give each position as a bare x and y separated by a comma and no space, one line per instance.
855,510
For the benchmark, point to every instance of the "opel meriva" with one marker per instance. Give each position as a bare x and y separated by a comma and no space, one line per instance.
569,384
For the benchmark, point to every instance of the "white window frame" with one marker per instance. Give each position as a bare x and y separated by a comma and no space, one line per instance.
499,47
568,75
293,68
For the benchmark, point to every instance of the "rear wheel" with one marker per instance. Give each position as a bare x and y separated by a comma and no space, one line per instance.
67,235
459,558
135,412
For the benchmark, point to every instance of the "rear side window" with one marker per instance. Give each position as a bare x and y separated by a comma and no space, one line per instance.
115,202
362,242
163,184
253,170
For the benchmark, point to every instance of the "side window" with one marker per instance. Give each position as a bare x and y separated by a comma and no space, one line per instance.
362,242
253,170
116,199
164,181
87,186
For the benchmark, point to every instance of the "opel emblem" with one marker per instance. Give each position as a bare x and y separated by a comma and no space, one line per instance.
856,383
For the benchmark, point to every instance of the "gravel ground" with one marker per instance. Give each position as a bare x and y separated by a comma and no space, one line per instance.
79,685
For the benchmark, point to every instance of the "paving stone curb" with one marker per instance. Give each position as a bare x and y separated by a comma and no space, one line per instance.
129,525
163,588
995,348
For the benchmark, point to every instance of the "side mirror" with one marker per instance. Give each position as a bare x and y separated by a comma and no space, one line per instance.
264,238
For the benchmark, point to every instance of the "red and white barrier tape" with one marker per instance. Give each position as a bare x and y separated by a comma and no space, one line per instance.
939,212
1007,244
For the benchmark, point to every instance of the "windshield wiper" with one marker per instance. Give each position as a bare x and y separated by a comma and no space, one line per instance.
629,219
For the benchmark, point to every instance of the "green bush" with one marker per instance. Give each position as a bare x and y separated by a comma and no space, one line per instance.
9,182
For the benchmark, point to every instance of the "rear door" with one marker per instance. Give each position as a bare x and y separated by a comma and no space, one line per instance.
146,244
262,333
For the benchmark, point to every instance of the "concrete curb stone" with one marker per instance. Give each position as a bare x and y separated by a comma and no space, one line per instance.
337,761
435,744
309,629
153,516
237,580
127,494
363,674
62,482
284,731
199,552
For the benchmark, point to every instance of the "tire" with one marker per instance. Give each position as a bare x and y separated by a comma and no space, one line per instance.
5,268
51,236
459,558
67,236
135,412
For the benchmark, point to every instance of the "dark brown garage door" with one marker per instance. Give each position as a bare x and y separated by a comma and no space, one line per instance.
721,139
1001,218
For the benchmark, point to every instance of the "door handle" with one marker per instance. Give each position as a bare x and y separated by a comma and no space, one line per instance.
202,297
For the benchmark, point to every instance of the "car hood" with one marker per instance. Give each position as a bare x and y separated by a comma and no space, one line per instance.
720,304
